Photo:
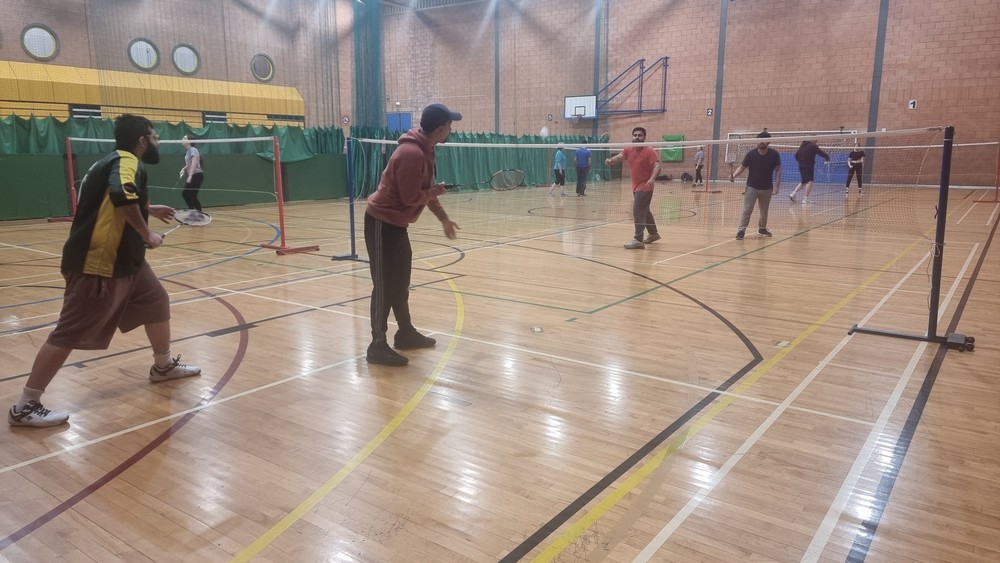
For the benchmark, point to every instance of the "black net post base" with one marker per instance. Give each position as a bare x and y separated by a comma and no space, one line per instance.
706,189
954,341
349,256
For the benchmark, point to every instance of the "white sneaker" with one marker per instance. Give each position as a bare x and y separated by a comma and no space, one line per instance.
634,244
174,370
34,414
791,196
806,201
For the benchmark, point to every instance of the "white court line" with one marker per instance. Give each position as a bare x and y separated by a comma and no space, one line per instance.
535,352
487,244
825,530
674,524
172,416
529,351
230,291
970,210
7,246
699,250
992,217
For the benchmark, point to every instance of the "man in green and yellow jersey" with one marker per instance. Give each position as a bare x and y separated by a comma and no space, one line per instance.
109,284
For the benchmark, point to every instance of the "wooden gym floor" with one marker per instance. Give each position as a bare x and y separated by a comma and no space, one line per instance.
698,400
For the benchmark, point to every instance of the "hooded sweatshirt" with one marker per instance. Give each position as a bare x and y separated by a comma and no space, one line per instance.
403,190
806,155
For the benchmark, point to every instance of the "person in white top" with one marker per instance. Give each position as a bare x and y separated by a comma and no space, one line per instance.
699,165
192,174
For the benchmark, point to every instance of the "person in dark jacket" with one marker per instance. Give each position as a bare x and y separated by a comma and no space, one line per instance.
806,157
406,187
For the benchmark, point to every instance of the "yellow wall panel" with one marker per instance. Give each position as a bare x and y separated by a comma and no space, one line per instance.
8,88
145,94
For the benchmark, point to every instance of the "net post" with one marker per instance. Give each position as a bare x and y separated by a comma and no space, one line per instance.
706,176
72,184
350,206
956,341
942,218
283,248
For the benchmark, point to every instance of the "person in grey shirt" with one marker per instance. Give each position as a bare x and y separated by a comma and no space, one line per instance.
699,164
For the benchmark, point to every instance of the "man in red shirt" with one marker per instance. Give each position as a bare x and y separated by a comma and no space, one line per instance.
644,164
406,187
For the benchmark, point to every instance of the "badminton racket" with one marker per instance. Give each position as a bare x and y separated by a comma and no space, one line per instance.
501,180
190,217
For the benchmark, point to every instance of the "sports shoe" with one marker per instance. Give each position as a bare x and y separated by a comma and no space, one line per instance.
410,339
791,196
860,192
34,414
806,201
634,244
174,370
739,235
380,353
764,233
653,237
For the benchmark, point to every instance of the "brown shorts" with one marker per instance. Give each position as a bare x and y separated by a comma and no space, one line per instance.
94,306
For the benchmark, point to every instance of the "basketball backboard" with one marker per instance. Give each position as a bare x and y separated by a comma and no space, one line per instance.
585,106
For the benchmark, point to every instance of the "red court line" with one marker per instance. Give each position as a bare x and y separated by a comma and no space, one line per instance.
152,445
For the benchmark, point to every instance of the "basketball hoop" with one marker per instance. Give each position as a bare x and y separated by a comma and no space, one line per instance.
576,118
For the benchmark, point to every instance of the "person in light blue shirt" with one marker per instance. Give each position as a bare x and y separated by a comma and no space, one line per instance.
582,161
559,166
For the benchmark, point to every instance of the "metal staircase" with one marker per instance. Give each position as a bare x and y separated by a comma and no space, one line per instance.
636,77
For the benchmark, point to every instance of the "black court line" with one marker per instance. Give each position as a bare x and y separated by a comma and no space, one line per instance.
562,517
608,480
866,531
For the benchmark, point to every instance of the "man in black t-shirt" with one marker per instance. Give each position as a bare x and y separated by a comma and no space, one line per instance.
856,162
764,163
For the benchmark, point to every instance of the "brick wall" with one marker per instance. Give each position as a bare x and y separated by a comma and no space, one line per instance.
789,64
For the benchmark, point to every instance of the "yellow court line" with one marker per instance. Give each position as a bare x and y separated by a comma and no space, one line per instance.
606,504
299,511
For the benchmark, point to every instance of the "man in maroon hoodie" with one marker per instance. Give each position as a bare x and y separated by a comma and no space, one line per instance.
407,185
